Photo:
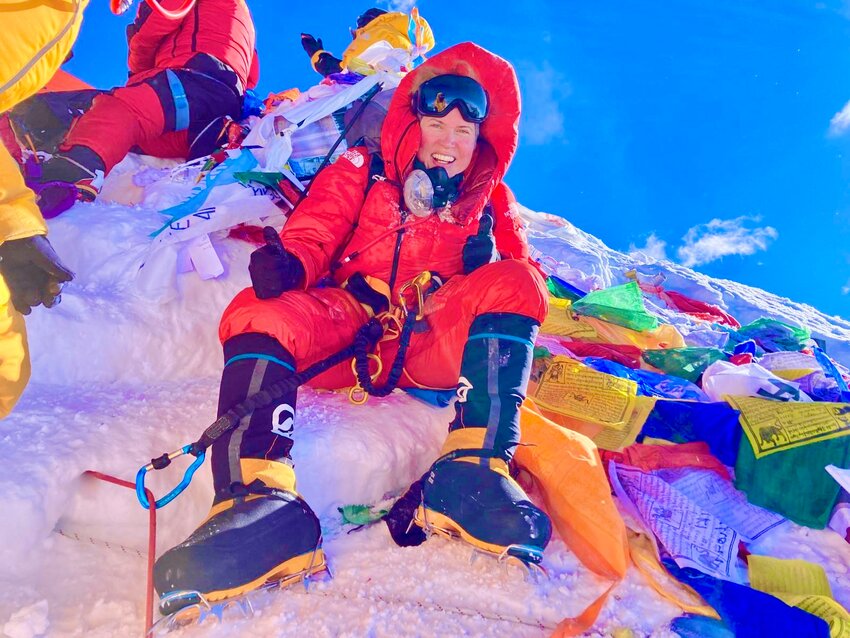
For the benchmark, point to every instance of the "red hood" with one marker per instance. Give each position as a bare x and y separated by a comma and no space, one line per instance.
497,142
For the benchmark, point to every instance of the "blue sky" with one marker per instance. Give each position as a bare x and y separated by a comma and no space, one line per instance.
709,132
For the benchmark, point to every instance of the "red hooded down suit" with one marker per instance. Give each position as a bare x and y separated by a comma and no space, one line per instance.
211,54
337,221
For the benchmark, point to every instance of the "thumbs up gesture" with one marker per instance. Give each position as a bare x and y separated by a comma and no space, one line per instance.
480,248
273,269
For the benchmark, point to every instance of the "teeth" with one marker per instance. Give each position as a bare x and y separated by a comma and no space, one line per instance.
443,158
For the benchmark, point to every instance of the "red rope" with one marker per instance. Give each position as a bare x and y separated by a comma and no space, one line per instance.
151,540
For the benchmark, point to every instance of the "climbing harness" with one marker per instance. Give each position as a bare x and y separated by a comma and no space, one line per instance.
398,323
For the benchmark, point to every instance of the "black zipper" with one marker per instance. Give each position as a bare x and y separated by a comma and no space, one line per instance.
196,27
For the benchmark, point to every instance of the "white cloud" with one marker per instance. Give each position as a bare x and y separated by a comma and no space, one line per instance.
845,288
543,90
655,249
840,122
404,6
722,237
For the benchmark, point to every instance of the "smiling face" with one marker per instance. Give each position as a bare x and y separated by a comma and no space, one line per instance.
447,141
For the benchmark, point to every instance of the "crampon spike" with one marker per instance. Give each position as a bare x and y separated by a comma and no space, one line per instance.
526,556
531,558
200,608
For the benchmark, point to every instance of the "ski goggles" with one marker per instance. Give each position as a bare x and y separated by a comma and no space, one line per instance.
441,94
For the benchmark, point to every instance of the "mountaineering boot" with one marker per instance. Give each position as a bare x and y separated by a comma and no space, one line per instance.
66,178
468,491
259,529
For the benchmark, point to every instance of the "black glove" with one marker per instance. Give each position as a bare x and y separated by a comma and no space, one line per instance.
311,44
399,519
273,269
480,248
33,272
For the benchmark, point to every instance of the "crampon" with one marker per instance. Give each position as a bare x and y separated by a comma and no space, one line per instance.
528,557
193,607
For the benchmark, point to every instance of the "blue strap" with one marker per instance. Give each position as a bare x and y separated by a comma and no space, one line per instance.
411,35
497,335
181,104
221,175
257,355
411,30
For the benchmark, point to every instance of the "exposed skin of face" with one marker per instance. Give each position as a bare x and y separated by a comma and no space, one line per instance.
447,141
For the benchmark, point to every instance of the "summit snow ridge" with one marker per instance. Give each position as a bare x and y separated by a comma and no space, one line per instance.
587,262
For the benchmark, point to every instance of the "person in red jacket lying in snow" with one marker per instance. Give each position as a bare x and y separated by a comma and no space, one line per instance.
185,77
347,254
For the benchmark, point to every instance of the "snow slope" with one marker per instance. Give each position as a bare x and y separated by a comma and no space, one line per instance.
119,378
588,263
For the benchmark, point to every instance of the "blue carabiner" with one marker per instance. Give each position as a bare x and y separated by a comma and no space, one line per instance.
161,463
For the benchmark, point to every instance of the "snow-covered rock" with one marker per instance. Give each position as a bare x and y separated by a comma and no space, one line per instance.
119,378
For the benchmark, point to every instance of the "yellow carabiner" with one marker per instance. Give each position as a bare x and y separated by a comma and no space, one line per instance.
418,283
391,322
357,393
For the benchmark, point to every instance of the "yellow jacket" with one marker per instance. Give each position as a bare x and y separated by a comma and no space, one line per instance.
394,28
35,39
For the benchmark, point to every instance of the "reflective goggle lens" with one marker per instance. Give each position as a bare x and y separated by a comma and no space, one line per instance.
441,94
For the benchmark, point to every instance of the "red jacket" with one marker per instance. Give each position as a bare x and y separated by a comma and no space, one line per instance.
336,223
221,28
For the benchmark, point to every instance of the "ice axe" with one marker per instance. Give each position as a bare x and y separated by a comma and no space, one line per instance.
120,6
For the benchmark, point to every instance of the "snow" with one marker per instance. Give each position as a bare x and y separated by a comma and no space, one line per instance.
119,378
588,263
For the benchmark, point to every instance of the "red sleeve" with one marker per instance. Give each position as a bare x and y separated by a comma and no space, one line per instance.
254,73
147,33
324,221
508,227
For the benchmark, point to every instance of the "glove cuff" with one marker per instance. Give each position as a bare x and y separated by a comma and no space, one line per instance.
314,59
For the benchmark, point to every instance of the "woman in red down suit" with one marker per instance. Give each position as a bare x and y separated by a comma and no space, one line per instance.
185,77
452,122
